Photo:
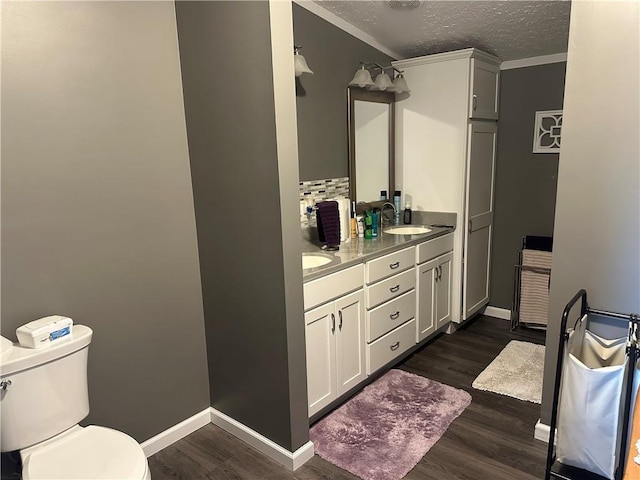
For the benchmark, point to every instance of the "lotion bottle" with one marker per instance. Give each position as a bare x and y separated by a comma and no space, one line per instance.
374,220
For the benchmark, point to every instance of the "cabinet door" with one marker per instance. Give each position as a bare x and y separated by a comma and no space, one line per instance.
479,216
320,326
483,103
426,286
443,290
350,343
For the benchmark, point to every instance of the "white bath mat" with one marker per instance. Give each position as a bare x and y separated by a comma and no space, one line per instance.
515,372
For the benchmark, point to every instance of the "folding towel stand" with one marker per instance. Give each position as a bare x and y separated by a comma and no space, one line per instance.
554,468
529,242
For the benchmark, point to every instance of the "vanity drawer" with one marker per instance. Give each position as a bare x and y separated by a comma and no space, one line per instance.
393,344
389,264
380,292
389,315
434,248
317,292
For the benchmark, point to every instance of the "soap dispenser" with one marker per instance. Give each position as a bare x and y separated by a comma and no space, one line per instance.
407,214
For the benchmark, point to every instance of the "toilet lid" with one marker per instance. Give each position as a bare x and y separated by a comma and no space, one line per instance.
88,453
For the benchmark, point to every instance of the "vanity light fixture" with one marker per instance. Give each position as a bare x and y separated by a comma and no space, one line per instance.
400,84
362,78
383,81
300,63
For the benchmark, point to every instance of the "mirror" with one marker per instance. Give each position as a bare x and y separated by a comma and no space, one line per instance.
371,144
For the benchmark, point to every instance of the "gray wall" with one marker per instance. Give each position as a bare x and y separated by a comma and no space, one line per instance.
253,304
333,56
97,209
525,181
597,223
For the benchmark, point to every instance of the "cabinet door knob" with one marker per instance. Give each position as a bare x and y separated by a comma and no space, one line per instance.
340,315
393,316
395,346
394,265
394,289
333,323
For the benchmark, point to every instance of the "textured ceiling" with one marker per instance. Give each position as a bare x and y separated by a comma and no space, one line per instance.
511,29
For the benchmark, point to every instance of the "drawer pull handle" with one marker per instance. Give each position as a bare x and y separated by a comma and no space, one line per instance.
394,289
394,265
395,346
393,316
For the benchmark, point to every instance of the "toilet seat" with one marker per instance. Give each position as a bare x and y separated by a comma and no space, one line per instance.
87,453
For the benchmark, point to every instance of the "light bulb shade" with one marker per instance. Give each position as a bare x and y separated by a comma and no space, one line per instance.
300,65
383,82
361,79
400,85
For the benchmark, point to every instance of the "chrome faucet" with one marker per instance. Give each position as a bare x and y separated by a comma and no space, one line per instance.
389,221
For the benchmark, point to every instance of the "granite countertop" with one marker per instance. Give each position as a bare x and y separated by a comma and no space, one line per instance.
360,250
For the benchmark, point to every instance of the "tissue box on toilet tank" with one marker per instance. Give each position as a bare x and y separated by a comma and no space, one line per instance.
43,331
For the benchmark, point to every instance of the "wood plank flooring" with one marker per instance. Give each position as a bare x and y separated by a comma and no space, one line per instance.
492,439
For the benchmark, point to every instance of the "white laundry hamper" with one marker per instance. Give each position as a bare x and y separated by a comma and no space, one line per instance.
594,386
591,393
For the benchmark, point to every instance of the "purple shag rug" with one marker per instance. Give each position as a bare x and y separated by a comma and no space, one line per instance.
384,431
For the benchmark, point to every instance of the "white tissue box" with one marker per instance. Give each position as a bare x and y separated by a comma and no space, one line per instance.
43,331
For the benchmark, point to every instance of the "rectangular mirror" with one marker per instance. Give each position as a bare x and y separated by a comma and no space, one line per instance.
371,144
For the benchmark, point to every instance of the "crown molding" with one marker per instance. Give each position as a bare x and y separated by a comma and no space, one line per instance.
446,56
345,26
533,61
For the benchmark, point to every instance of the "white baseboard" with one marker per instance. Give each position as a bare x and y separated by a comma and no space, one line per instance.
496,312
175,433
291,460
542,432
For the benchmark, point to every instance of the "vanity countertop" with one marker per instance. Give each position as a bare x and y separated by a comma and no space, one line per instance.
360,250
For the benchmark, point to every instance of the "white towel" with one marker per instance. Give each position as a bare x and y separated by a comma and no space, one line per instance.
344,208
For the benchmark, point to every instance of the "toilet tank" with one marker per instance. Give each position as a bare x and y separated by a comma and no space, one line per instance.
48,391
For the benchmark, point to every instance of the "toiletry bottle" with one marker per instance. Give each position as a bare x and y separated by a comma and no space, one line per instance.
383,195
407,213
374,223
396,203
368,225
360,225
353,225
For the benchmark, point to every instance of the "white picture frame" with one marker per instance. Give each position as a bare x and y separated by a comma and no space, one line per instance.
547,133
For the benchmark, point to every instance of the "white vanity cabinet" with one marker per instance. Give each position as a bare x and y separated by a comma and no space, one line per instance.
335,336
390,299
433,285
446,160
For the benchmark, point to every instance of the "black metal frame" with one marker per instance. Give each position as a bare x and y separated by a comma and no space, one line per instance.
556,469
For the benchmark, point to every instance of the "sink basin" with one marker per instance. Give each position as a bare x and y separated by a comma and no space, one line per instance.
407,230
314,260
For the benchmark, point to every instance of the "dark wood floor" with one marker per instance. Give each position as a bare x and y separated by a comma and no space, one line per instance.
492,439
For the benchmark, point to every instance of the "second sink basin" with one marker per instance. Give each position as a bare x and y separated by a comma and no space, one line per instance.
314,260
407,229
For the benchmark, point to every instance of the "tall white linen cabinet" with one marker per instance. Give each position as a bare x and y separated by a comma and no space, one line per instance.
446,133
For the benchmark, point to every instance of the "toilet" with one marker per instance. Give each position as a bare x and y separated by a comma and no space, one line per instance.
43,396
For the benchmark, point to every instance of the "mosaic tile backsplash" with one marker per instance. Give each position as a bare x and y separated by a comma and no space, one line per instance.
319,190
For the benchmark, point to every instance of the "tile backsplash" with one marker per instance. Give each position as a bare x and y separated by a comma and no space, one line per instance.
319,190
